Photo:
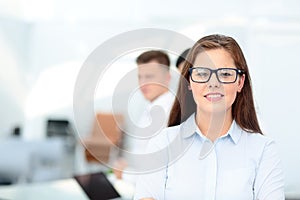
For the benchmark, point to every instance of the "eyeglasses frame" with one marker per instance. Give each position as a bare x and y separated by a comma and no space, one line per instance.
214,71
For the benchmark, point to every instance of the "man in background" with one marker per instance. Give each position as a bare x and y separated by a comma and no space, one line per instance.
154,79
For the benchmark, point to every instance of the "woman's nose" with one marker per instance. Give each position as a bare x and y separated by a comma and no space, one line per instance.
213,81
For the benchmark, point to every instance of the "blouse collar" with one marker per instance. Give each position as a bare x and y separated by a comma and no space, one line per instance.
189,128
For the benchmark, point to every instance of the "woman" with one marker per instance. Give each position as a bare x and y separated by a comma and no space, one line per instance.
227,157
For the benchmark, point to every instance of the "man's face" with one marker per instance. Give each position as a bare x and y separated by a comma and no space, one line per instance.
154,79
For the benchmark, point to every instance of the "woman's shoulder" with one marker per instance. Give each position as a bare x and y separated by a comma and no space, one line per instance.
258,140
258,137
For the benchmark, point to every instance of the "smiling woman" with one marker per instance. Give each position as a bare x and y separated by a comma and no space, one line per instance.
214,97
228,157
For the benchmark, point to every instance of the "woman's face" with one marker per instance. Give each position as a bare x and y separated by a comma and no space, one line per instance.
213,96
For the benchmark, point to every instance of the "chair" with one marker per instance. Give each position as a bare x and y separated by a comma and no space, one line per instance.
58,128
63,129
49,160
106,134
31,161
14,161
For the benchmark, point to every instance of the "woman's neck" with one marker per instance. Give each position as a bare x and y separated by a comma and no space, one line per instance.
214,125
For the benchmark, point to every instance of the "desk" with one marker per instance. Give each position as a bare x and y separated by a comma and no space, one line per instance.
125,189
67,189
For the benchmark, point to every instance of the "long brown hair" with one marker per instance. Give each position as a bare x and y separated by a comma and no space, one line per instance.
243,110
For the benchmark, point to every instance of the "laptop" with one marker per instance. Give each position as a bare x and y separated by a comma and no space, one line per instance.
97,186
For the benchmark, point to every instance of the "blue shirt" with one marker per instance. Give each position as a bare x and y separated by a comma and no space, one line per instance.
237,166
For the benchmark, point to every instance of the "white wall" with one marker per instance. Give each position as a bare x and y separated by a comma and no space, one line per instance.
13,86
51,42
274,52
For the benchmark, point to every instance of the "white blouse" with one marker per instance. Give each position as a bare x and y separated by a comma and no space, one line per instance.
237,166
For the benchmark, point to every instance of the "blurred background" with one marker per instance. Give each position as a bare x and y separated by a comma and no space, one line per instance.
43,45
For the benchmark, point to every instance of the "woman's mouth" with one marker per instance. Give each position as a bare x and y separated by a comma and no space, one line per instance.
213,97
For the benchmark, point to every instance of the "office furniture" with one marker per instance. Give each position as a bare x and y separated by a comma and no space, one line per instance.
105,135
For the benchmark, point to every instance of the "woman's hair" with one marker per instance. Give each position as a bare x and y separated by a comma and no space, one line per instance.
243,110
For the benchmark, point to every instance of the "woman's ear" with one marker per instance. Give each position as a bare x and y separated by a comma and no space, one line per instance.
241,81
189,87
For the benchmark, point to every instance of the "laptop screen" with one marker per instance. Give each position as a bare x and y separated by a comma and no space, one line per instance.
97,186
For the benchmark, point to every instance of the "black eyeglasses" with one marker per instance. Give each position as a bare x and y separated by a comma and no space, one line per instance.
224,75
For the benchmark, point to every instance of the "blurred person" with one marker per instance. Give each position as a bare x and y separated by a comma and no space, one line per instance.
180,60
228,157
153,78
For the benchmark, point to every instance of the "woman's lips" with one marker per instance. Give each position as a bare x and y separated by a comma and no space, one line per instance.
213,97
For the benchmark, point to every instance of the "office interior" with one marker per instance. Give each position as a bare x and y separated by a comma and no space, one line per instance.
46,44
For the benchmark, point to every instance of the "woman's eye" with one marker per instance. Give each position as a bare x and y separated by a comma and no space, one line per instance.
225,74
202,74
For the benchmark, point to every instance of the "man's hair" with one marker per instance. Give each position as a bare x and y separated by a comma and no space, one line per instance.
154,55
